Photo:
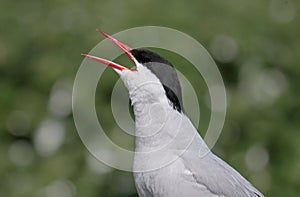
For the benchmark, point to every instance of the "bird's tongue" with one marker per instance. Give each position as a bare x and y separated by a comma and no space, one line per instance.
121,45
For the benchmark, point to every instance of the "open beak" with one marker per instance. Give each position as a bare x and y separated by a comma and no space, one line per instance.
122,46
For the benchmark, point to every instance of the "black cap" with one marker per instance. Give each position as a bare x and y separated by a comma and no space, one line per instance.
165,72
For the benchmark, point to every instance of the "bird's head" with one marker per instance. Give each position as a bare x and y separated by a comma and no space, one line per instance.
153,80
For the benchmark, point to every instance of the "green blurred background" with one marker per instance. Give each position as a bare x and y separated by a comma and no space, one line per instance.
255,44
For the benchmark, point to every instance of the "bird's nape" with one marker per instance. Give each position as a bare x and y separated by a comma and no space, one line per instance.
160,124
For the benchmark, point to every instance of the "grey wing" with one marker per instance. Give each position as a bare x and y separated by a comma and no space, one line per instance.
171,181
182,188
218,177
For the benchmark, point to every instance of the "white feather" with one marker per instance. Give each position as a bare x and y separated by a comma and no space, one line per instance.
168,160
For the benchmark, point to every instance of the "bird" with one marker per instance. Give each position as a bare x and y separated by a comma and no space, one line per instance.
171,158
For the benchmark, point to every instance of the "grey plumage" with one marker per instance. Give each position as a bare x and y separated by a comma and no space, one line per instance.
171,158
196,171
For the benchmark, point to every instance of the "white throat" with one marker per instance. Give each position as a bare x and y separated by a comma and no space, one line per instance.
153,113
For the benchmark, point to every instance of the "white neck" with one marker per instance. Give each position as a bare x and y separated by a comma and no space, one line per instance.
155,124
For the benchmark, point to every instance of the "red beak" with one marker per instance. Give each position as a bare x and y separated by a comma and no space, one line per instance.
121,45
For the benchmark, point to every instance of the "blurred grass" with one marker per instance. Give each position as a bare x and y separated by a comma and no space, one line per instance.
40,46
